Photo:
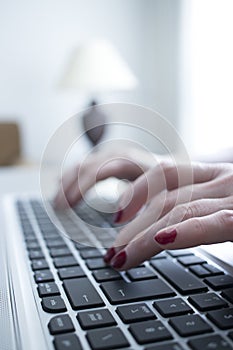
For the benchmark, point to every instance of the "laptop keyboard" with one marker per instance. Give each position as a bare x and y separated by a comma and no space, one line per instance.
175,301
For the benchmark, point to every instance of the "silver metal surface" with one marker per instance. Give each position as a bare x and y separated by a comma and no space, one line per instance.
26,331
7,334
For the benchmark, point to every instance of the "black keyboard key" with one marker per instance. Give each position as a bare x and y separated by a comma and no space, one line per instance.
47,289
56,252
36,254
30,238
222,318
215,342
182,280
191,260
213,270
53,304
228,294
189,325
220,282
43,276
56,243
179,252
135,313
33,245
28,234
107,339
149,331
39,264
140,273
71,272
107,274
96,318
81,246
172,307
81,293
91,253
230,335
161,255
67,342
61,324
166,346
49,236
65,261
200,271
207,301
94,264
123,292
46,228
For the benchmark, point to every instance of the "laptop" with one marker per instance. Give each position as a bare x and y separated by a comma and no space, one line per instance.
57,293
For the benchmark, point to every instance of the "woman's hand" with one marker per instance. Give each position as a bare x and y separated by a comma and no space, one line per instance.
184,206
123,163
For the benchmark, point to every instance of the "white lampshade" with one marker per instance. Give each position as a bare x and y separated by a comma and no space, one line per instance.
98,67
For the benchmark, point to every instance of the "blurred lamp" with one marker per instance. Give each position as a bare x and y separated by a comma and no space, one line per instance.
96,68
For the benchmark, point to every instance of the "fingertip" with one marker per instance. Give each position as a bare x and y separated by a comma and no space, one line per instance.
109,255
166,236
118,216
119,260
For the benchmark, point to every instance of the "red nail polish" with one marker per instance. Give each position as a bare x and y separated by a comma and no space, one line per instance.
119,260
166,237
117,216
109,255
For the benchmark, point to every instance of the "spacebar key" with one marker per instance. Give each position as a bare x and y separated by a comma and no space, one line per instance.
81,293
182,280
123,292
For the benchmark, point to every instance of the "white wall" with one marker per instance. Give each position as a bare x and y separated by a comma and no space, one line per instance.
36,38
207,55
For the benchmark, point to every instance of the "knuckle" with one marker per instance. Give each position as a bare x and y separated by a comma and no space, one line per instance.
190,212
225,218
223,184
183,212
192,209
199,226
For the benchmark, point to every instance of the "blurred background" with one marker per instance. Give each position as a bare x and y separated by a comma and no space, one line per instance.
178,54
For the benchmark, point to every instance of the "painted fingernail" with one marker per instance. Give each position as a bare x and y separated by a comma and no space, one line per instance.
119,260
118,216
166,237
109,255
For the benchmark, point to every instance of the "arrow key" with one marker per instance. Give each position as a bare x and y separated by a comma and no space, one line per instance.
222,318
189,325
135,312
172,307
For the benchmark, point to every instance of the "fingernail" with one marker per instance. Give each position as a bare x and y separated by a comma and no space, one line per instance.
109,255
119,260
117,216
166,237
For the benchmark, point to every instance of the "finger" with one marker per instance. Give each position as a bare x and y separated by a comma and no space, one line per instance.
92,172
213,228
168,204
162,177
161,236
87,176
66,182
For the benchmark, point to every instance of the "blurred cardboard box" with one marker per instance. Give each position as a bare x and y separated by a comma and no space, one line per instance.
9,143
